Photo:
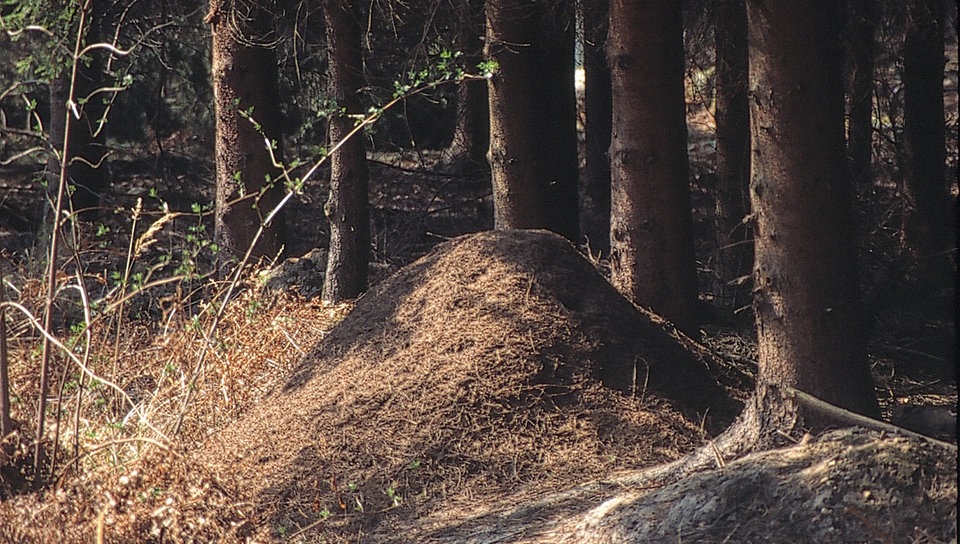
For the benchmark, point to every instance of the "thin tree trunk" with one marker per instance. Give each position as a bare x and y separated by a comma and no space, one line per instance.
861,49
807,304
928,225
650,233
85,174
346,208
734,235
244,74
471,133
533,138
598,107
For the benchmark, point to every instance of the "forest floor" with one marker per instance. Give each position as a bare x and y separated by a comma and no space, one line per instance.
430,403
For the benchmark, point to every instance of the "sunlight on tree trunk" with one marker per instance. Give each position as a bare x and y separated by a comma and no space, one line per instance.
244,75
471,132
346,208
651,237
533,139
807,302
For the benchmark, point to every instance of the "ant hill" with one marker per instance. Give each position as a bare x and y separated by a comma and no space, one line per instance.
501,362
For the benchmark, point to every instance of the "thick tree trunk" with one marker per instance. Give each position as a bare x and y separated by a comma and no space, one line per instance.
928,224
244,74
347,209
650,233
734,235
861,48
533,139
598,107
807,304
471,133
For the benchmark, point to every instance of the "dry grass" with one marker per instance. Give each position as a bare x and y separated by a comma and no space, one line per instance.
473,377
466,376
119,460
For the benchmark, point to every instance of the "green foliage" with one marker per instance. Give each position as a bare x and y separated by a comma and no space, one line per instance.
395,498
441,66
57,18
488,68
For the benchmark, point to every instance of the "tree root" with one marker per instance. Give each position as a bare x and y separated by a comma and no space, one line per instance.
773,418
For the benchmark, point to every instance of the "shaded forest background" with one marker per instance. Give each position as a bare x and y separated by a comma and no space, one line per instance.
159,131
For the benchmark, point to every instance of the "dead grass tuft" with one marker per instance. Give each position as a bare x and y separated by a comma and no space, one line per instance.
118,461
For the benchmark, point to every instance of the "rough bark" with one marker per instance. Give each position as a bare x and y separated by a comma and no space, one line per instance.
928,230
244,72
650,233
533,140
347,206
471,132
861,49
734,235
806,302
598,108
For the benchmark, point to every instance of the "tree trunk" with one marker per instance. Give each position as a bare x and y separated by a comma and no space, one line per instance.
471,133
85,175
806,302
734,235
346,208
598,107
244,70
533,139
928,225
861,48
650,233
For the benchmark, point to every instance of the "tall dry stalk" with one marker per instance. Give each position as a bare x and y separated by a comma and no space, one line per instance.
6,424
61,203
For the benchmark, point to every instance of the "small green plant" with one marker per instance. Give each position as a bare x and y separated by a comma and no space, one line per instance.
488,68
102,232
252,306
395,498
